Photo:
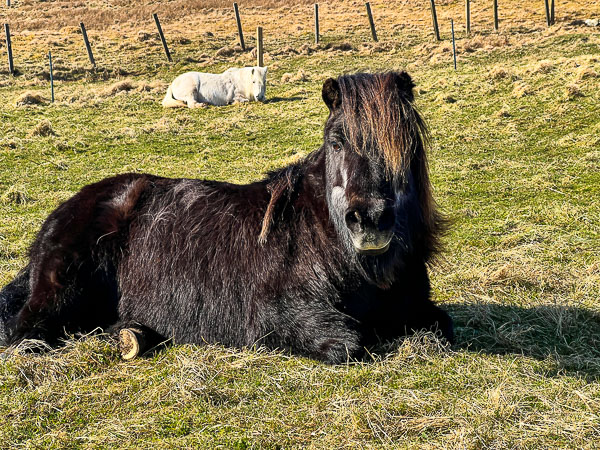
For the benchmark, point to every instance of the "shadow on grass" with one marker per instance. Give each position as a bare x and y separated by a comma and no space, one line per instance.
568,335
283,99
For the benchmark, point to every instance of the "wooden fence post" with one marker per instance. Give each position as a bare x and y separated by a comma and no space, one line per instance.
259,47
87,44
495,15
316,23
468,15
51,76
162,37
371,23
436,29
547,9
11,66
239,25
453,43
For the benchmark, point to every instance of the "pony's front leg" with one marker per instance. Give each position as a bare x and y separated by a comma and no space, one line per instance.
402,317
239,99
193,103
428,316
320,332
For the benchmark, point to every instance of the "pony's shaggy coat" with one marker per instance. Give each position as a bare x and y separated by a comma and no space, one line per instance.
269,263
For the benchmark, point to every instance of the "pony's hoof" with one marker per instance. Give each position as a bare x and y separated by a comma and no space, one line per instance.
130,343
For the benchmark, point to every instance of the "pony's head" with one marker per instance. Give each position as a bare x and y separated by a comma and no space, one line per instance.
377,185
258,78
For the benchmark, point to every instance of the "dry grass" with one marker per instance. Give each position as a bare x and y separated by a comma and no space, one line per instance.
30,98
573,91
291,78
123,32
16,194
521,90
500,72
387,402
118,87
43,128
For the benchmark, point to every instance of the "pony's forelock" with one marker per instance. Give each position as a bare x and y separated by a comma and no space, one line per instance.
380,121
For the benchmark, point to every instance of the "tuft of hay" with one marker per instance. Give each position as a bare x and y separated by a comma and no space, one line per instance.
119,86
343,47
288,51
573,91
152,86
503,112
472,45
585,72
43,128
290,78
181,40
16,195
144,36
499,73
225,51
446,98
30,98
521,90
544,66
306,49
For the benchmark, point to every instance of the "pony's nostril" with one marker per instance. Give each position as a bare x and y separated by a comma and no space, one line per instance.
386,220
353,218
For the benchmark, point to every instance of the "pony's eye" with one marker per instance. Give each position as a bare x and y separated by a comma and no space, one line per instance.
336,146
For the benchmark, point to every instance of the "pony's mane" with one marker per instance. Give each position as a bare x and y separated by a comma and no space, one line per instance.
380,120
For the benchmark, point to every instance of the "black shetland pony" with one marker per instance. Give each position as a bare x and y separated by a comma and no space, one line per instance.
322,258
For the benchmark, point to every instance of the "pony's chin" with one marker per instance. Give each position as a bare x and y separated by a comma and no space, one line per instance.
373,251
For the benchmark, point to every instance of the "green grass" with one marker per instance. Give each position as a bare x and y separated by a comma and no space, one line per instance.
519,176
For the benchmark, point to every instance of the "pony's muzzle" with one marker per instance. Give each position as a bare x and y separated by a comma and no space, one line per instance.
372,229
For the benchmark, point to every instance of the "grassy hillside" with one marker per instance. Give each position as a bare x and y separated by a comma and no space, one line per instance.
515,163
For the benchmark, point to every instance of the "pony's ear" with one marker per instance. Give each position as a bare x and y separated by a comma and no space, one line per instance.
331,94
404,84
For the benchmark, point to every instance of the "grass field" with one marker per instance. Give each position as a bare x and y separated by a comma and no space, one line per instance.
515,164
